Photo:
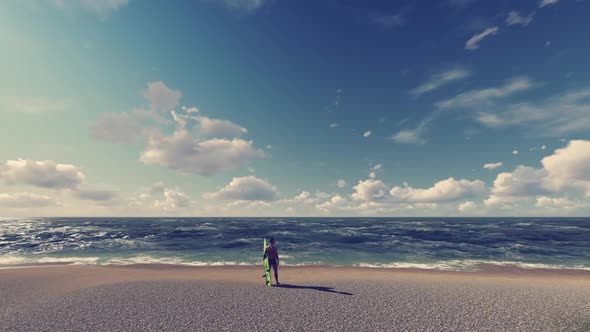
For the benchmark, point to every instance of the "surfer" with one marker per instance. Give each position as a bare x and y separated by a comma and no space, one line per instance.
273,258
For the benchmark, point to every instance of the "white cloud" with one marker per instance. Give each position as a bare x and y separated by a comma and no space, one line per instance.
493,165
489,119
220,128
440,79
46,174
248,188
375,191
473,42
335,203
101,7
377,167
185,152
467,207
367,133
372,175
334,125
117,128
556,115
515,18
161,97
173,200
566,171
25,200
515,152
409,136
370,190
341,183
554,203
543,3
198,144
481,97
569,167
443,191
523,181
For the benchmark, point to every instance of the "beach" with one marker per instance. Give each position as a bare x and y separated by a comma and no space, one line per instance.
319,298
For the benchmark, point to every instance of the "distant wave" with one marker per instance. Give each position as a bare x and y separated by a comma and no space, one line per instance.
471,265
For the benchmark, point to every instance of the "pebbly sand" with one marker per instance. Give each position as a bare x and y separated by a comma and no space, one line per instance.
177,298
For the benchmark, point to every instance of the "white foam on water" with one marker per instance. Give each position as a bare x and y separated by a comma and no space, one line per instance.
471,265
15,260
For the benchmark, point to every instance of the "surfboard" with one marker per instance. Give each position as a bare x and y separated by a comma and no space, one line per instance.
266,267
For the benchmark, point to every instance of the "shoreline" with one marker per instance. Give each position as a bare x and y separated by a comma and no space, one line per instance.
479,268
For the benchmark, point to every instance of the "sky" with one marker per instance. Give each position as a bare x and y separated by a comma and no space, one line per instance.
294,108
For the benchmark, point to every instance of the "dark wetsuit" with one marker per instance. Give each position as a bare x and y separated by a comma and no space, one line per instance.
272,254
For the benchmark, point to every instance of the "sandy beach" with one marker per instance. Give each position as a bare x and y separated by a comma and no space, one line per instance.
179,298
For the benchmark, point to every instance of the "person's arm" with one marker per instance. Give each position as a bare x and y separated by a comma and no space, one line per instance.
265,253
277,257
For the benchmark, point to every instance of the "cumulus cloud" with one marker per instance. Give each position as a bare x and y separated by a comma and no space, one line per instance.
198,144
440,79
367,133
334,125
569,167
184,152
25,200
247,188
515,18
46,174
117,128
443,191
220,128
493,165
370,190
448,190
161,97
173,200
341,183
567,170
523,181
473,43
467,207
337,202
555,203
515,152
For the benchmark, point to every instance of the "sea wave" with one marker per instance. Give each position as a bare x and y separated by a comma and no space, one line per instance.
472,265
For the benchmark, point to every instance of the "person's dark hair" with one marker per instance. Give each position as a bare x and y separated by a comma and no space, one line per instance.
272,239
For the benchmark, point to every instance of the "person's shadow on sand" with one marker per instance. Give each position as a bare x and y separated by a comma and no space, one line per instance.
318,288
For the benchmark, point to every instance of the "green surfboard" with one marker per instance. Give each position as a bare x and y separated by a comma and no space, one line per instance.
267,267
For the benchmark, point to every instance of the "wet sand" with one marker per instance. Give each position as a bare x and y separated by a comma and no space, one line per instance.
180,298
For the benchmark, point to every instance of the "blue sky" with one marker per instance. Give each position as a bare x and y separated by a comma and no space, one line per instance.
278,107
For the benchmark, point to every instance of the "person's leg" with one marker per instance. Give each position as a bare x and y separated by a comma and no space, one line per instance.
276,268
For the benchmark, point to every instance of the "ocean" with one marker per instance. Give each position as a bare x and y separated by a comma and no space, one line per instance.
429,243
